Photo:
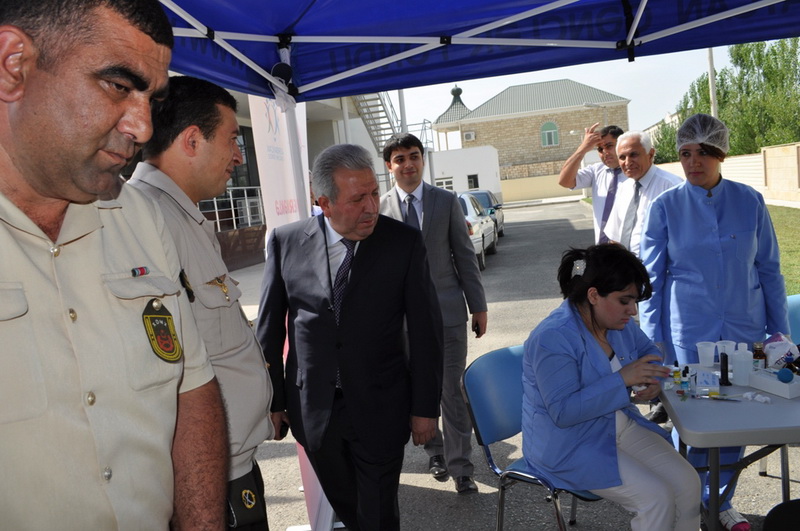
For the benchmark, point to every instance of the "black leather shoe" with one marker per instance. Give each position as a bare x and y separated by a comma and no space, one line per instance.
658,414
437,468
465,485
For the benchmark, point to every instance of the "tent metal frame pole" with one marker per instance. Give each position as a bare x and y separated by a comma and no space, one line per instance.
430,43
708,20
635,24
363,39
422,49
222,43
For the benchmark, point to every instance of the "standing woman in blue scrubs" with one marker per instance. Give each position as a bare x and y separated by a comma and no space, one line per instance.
711,252
580,430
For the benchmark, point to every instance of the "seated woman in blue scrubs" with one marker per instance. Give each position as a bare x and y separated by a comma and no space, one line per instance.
714,265
580,429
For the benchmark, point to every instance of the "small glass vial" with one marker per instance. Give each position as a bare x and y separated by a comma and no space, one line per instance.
759,358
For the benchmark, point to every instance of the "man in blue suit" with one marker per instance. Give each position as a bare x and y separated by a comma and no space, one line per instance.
342,285
456,277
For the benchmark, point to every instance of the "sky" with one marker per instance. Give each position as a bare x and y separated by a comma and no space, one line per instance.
654,84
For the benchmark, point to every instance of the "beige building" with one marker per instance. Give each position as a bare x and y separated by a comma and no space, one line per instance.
534,127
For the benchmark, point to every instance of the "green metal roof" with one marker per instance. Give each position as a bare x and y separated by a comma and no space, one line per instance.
537,97
455,112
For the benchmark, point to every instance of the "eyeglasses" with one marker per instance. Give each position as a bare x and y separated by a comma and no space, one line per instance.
608,147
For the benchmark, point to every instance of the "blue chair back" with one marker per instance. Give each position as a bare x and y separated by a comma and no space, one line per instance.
492,387
794,317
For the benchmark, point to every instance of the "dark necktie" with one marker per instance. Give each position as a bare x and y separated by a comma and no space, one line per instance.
630,217
411,212
610,196
341,277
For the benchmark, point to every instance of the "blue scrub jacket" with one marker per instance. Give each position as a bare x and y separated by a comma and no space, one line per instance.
570,398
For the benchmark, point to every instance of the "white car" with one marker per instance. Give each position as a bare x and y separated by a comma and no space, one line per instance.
480,226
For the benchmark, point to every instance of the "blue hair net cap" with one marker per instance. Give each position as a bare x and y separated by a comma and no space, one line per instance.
703,129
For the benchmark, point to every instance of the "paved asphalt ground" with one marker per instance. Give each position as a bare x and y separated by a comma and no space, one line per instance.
521,289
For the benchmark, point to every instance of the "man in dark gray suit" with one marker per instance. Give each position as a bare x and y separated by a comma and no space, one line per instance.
344,282
456,275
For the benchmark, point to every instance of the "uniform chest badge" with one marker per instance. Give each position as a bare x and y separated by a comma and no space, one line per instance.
160,330
248,498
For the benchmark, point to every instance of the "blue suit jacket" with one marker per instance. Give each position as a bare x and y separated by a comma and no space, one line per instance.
570,400
389,283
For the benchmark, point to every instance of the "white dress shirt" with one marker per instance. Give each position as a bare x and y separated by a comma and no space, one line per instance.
653,183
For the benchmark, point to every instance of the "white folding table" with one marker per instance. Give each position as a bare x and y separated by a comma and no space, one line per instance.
714,424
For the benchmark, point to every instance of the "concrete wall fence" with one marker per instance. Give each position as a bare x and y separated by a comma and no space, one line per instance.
775,172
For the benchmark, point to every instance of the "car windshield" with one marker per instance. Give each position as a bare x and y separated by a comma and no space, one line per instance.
484,200
463,205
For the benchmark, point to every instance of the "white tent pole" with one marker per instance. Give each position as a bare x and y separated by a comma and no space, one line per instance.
300,180
708,20
374,39
636,19
221,42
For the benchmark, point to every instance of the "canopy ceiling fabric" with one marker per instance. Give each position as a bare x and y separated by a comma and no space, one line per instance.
348,47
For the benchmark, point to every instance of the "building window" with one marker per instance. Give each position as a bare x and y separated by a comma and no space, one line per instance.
246,174
549,134
446,183
472,182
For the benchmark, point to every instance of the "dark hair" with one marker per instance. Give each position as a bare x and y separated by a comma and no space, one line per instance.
714,151
608,267
191,101
613,130
56,25
402,140
336,157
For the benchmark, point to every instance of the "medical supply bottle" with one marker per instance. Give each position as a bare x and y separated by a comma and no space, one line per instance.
742,365
676,373
759,358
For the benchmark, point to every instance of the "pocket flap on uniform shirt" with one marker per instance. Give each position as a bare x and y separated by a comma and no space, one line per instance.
145,286
15,304
211,295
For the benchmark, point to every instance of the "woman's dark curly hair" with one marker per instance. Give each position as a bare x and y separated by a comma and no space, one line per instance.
608,267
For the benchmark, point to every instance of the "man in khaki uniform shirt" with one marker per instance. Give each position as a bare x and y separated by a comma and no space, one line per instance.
190,158
110,416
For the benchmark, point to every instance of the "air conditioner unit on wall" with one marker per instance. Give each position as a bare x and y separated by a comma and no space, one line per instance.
469,136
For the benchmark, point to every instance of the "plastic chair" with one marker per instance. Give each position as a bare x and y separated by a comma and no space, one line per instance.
492,389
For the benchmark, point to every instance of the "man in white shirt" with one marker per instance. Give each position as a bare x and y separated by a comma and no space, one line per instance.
644,183
603,177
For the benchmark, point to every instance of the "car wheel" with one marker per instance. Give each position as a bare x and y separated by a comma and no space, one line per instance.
481,259
493,247
502,231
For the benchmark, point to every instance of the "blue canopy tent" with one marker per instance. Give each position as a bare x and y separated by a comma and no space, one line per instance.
348,47
339,48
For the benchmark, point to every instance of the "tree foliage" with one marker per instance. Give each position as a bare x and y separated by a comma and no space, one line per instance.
758,98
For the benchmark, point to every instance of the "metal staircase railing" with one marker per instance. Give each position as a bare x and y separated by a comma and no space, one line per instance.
378,114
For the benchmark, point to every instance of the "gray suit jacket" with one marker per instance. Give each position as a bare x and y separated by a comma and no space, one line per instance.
451,256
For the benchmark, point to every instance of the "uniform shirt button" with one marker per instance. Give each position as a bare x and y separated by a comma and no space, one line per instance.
107,473
73,315
55,250
91,398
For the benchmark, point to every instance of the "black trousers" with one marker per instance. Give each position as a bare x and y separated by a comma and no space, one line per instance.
247,508
361,489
